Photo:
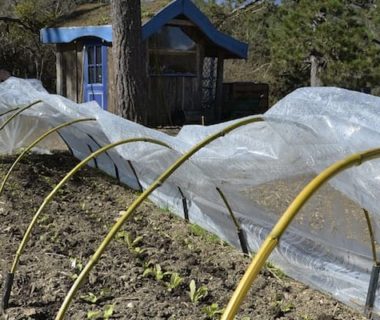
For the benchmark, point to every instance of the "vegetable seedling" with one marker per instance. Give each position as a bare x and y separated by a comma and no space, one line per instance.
104,314
92,298
77,266
175,281
196,294
156,271
132,244
213,311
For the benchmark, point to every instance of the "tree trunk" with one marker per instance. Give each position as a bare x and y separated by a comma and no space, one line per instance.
315,67
129,60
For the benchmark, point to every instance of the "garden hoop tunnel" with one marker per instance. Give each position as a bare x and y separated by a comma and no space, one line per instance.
282,224
135,204
10,276
35,142
19,110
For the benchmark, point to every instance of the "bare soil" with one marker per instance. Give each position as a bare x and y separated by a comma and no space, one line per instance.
77,220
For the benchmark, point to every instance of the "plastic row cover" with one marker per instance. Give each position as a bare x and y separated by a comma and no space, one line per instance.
260,167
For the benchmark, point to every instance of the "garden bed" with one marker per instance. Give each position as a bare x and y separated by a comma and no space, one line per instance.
131,281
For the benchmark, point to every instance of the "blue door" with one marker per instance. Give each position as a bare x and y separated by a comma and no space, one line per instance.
95,74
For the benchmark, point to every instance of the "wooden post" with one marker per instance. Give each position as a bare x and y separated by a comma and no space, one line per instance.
76,73
80,63
219,87
60,74
183,95
199,92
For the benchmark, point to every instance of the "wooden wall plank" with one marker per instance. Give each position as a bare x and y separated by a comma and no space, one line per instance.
172,98
60,71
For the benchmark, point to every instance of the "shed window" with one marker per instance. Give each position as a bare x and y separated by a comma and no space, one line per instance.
94,58
172,52
171,38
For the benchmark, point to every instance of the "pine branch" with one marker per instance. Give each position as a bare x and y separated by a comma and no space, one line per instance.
243,8
17,21
246,6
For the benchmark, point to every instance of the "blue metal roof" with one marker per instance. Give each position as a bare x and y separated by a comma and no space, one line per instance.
174,9
69,34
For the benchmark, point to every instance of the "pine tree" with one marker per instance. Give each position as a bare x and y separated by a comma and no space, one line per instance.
324,42
129,60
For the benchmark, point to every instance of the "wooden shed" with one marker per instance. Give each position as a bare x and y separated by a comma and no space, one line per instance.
185,55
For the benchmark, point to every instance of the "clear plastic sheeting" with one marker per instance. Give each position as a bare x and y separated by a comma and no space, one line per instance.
260,168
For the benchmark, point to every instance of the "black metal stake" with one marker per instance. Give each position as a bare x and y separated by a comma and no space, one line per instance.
240,232
184,204
371,294
7,291
243,241
67,145
135,174
107,154
116,172
95,161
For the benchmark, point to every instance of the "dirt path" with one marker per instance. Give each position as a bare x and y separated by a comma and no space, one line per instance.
133,280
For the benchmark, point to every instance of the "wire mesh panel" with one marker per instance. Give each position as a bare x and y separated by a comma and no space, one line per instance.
208,82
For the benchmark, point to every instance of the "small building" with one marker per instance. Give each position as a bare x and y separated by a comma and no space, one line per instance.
185,56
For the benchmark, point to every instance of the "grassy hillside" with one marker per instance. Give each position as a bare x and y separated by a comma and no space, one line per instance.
94,14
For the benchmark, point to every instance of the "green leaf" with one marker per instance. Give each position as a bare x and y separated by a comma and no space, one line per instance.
192,290
108,311
147,272
137,240
90,297
94,314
